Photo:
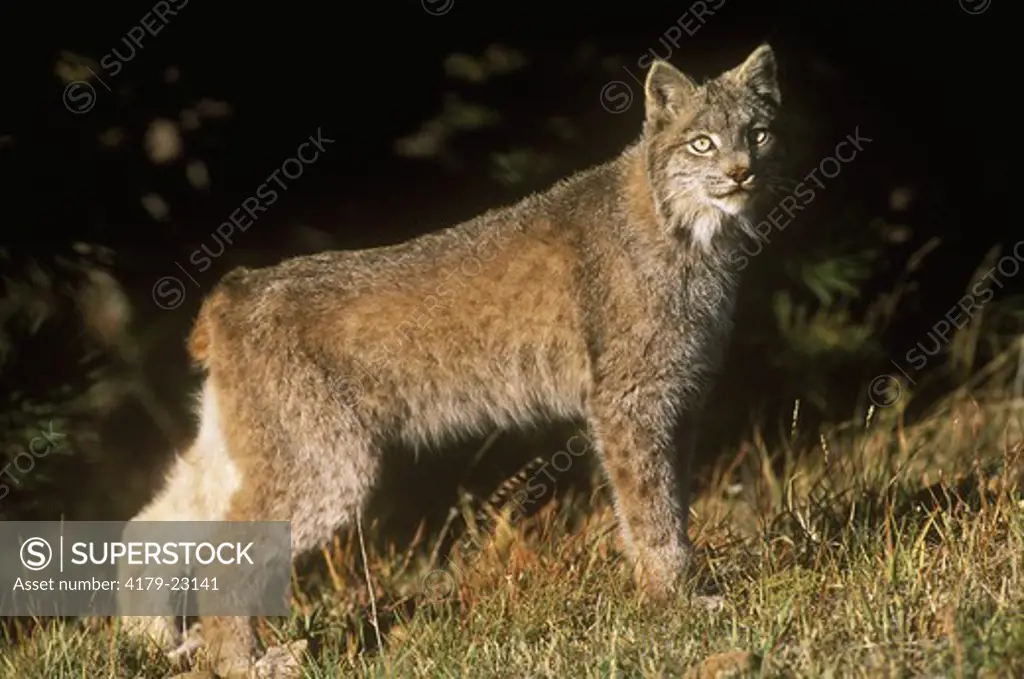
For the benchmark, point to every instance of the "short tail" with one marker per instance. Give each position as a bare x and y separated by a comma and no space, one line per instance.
201,339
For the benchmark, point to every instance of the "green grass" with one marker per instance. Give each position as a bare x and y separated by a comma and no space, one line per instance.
886,551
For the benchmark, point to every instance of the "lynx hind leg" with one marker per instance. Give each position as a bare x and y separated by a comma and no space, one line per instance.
319,485
198,488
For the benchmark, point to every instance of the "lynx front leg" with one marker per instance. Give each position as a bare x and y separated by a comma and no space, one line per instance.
638,446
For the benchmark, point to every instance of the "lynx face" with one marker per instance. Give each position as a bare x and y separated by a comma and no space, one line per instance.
711,148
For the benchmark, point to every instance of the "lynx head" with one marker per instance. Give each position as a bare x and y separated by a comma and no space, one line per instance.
710,148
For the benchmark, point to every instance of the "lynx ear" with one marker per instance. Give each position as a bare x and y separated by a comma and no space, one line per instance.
666,91
759,74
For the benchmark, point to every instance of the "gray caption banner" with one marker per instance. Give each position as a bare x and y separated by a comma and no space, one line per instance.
110,568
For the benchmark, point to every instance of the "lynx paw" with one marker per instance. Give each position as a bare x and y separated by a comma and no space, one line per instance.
661,572
162,631
282,662
192,642
279,662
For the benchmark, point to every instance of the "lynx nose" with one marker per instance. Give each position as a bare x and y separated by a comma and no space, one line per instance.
739,174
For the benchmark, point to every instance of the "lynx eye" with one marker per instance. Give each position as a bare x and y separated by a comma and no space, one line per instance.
702,144
759,136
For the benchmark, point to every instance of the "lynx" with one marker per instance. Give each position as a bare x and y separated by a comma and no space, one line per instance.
606,299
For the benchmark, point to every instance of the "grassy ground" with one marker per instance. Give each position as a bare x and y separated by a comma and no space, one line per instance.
885,551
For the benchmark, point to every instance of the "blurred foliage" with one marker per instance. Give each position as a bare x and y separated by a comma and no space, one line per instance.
58,318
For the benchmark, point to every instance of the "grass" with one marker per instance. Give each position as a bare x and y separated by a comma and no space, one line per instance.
884,551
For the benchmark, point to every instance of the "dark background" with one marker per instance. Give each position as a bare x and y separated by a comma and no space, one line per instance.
929,82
